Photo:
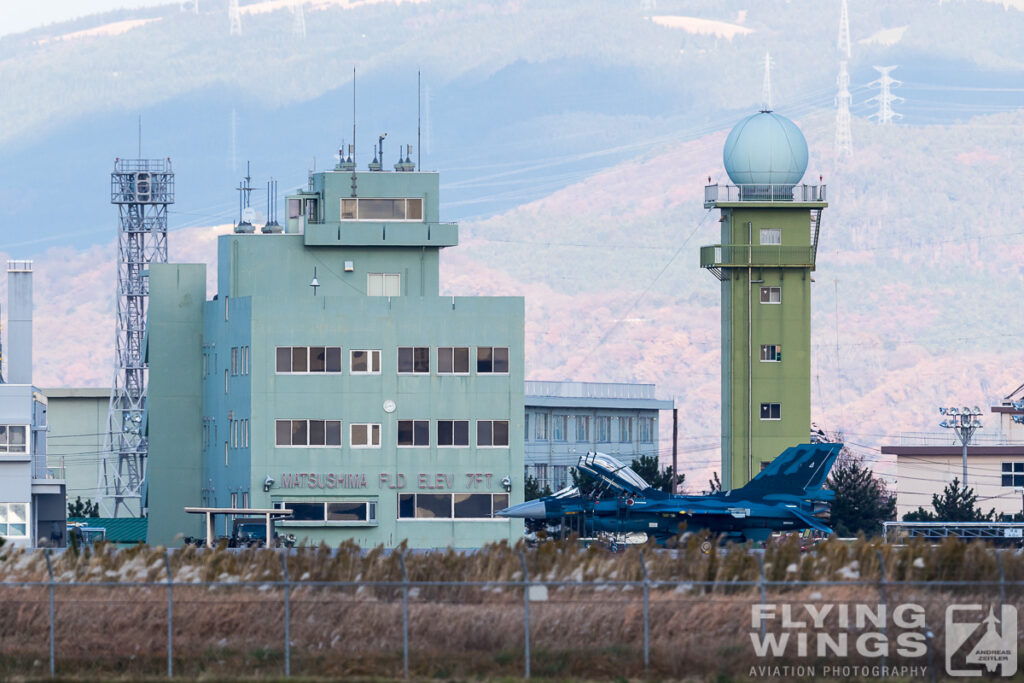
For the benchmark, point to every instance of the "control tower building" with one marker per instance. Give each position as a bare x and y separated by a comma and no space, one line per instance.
770,224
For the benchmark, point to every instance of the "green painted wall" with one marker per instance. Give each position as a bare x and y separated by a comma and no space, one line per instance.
77,418
748,441
174,415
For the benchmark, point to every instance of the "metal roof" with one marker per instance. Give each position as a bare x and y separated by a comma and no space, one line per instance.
119,529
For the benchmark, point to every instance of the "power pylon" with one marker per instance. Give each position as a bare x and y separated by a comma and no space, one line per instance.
843,144
298,20
885,115
235,17
766,84
843,43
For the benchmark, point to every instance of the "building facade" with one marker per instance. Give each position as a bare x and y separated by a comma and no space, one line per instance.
564,420
327,375
75,440
32,497
769,237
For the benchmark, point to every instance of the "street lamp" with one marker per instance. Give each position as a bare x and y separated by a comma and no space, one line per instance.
964,422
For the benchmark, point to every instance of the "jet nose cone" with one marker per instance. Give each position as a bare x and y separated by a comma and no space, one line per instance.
531,509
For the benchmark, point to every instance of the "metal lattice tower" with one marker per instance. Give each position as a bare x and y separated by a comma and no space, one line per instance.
235,17
298,19
885,115
142,189
843,42
766,84
843,144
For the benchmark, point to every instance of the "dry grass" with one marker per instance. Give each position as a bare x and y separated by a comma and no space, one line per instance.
456,632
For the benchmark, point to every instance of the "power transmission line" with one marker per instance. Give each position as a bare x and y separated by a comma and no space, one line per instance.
885,115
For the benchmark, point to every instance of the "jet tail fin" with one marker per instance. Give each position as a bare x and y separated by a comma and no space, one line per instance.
798,470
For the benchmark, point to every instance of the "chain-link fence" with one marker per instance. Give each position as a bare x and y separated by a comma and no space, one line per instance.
178,623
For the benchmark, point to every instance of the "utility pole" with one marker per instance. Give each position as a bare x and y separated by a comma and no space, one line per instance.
675,448
843,144
964,423
885,115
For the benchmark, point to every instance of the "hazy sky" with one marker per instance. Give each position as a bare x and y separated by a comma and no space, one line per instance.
21,15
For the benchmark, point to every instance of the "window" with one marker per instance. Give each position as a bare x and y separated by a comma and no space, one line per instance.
645,429
234,360
373,209
582,428
625,430
540,473
312,210
492,433
450,505
225,380
492,359
453,360
771,295
245,433
558,430
604,429
771,353
414,359
771,235
383,284
13,439
453,433
308,359
540,427
14,519
330,513
364,435
1013,474
294,208
559,476
414,433
245,499
234,499
315,433
245,360
365,362
771,411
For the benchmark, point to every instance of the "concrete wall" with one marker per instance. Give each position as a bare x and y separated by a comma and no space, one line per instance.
78,423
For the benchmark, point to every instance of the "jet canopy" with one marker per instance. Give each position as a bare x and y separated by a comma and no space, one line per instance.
612,472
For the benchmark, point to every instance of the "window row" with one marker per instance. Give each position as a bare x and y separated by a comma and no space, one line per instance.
451,360
1013,474
555,477
382,209
14,519
349,511
13,439
450,505
239,430
235,497
411,433
603,429
240,360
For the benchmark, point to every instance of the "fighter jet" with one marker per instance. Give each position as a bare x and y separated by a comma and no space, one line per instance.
787,495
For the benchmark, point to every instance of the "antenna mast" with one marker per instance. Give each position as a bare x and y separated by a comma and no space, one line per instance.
766,85
885,115
843,42
419,108
843,144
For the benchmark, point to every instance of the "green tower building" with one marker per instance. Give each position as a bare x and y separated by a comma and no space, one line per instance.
769,231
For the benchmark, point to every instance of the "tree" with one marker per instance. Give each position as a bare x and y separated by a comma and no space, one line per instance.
532,489
649,467
862,500
956,504
83,508
714,484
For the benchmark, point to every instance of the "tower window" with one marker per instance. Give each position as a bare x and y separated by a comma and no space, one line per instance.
374,209
453,433
365,362
413,432
771,411
771,353
771,235
771,295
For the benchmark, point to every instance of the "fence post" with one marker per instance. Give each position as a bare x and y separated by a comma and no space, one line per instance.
647,621
764,593
170,615
882,593
526,611
287,615
53,659
405,615
1002,577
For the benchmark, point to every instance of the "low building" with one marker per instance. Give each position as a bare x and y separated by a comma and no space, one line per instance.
32,498
328,376
75,442
564,420
927,463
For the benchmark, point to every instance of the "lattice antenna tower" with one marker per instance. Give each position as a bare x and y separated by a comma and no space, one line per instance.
843,42
885,99
843,144
766,84
141,189
235,17
298,19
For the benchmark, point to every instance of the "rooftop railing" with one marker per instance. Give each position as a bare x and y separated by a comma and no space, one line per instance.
734,255
589,390
714,194
139,165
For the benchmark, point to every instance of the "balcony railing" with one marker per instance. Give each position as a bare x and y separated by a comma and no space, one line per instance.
589,390
714,194
741,255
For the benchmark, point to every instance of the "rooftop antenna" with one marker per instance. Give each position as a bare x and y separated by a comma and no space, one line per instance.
245,213
885,115
353,149
272,225
843,144
843,42
419,109
766,85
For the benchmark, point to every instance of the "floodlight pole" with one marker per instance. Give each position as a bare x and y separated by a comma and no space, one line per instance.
964,423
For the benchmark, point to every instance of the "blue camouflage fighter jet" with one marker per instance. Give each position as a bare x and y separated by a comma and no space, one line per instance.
787,495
